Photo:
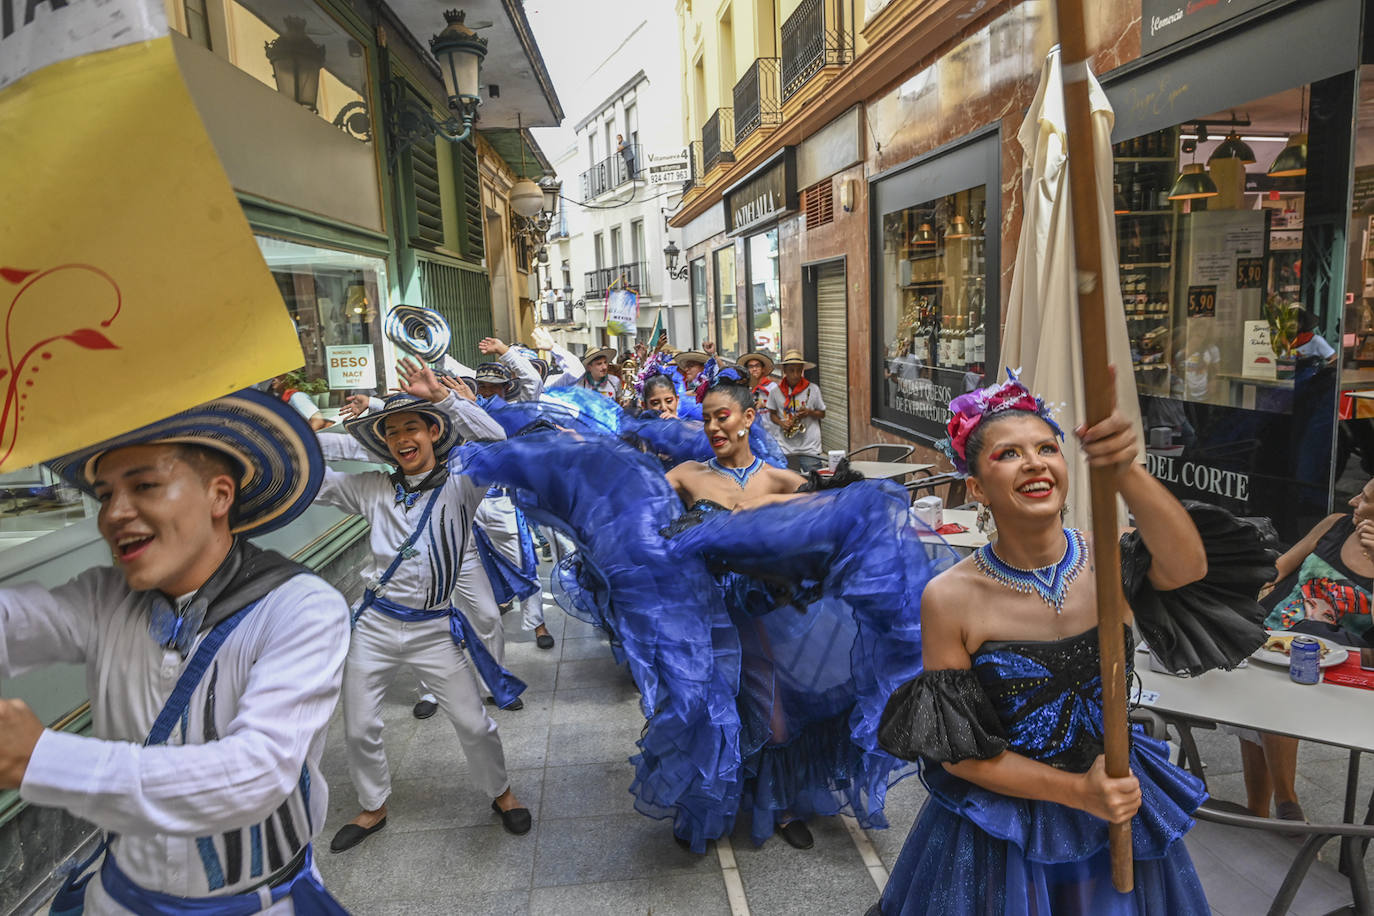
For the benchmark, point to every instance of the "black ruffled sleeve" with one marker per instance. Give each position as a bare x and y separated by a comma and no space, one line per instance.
943,716
1214,622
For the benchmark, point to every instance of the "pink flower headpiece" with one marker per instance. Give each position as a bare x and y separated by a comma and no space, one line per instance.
659,363
968,410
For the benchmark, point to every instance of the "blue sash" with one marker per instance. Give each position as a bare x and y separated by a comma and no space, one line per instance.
306,891
504,686
509,581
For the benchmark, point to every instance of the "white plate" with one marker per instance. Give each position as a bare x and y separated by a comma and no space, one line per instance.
1336,653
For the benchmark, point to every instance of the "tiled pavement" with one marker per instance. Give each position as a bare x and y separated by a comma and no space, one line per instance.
444,852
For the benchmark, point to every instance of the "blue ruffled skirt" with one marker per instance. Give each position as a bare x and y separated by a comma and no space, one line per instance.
974,852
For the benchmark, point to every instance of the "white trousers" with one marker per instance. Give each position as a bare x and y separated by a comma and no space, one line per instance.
474,596
380,647
497,518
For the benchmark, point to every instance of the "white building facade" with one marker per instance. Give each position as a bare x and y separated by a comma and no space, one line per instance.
619,185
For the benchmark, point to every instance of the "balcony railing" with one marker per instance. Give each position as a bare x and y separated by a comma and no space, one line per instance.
694,164
813,37
634,275
756,98
610,173
718,138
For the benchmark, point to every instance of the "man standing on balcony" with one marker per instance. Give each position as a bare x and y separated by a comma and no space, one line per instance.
627,152
598,377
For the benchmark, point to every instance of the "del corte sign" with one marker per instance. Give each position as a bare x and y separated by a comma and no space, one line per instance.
1164,22
763,196
1201,477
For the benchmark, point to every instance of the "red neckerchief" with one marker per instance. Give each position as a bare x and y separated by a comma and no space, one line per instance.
286,395
791,393
764,383
1303,338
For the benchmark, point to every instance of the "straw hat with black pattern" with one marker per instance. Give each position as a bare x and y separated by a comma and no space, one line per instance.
370,429
493,374
273,446
793,358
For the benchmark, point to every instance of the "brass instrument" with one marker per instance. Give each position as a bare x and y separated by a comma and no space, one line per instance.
421,332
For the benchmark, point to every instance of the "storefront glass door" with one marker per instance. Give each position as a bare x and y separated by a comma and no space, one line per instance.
765,317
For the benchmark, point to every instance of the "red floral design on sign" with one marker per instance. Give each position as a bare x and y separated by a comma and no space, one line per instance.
19,354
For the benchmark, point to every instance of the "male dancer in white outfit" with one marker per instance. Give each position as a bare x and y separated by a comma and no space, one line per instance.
421,532
212,666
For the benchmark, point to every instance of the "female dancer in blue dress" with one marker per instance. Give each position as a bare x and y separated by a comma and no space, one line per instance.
1006,717
764,689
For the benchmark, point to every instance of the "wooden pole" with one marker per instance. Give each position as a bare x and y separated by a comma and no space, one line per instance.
1098,390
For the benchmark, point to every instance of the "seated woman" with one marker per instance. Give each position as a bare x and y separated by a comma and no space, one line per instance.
1323,589
1006,718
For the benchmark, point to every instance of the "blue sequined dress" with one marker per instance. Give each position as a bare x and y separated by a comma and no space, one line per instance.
764,643
975,851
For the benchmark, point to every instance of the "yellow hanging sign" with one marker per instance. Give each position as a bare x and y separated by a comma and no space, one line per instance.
130,284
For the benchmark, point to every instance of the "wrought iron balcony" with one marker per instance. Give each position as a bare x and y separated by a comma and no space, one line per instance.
756,98
634,275
694,164
610,173
814,37
718,138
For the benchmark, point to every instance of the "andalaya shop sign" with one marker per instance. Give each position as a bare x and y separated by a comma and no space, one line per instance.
763,196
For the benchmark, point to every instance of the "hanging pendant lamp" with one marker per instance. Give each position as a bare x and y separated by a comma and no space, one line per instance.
1233,147
1193,184
1292,161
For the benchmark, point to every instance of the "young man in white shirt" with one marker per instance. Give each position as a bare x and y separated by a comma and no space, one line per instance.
598,377
797,408
213,669
421,521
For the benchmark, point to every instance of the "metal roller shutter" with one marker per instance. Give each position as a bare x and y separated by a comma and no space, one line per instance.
832,354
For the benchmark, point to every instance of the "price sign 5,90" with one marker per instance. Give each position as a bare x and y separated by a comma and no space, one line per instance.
1202,301
1249,273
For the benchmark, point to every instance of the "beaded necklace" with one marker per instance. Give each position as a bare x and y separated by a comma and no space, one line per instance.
740,475
1051,582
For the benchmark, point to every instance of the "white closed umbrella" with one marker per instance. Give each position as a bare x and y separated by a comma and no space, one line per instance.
1041,336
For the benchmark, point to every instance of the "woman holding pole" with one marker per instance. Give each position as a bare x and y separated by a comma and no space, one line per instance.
1006,718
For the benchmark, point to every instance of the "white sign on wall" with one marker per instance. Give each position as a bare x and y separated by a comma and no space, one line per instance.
351,366
668,168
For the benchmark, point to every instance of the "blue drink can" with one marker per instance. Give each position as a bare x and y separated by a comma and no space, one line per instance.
1304,660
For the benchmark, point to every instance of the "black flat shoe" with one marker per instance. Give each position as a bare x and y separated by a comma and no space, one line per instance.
516,820
796,834
424,709
544,641
351,835
514,705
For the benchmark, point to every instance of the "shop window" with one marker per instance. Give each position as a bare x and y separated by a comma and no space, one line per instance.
335,300
765,315
727,316
935,305
248,27
701,317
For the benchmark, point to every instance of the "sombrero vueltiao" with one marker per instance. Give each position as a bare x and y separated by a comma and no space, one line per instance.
271,442
593,355
690,356
493,374
369,429
794,357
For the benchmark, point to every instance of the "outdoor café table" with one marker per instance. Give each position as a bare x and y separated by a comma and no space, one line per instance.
1262,697
892,470
967,541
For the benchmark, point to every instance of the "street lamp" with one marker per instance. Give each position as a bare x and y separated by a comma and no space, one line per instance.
296,63
552,191
670,255
459,52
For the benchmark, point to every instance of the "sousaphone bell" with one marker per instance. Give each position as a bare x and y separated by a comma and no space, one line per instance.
419,331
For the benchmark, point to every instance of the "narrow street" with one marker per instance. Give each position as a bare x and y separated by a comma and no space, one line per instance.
590,852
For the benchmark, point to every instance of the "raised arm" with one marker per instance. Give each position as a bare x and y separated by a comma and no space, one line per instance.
195,790
528,385
459,402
